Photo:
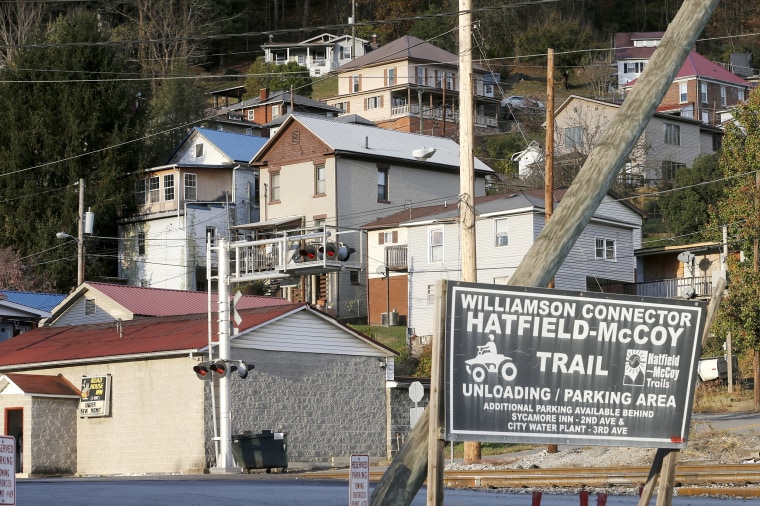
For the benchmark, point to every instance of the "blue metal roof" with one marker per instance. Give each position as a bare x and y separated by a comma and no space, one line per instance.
238,147
41,301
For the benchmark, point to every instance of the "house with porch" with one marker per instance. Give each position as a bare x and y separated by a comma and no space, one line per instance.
326,178
505,228
320,54
206,186
410,85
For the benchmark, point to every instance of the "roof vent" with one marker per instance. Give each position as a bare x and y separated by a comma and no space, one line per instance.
366,142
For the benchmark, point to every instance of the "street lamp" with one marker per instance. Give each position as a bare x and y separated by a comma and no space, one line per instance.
80,254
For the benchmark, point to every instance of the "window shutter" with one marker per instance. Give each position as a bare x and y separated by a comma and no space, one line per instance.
381,238
381,101
395,236
360,82
365,104
385,77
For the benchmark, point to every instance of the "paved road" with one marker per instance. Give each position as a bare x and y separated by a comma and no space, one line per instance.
738,423
259,491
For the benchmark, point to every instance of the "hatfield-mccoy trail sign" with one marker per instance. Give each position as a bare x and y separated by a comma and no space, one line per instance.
550,366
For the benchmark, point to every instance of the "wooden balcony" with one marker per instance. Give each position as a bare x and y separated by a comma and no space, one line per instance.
396,258
670,287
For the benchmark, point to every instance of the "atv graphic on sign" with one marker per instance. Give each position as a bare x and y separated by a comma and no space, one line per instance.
489,360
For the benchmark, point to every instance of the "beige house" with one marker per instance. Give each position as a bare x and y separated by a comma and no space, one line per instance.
320,173
410,85
668,142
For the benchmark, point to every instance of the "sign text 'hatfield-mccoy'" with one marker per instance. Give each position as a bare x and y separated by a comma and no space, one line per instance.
550,366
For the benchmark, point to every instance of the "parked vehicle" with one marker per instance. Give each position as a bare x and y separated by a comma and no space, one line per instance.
521,103
716,368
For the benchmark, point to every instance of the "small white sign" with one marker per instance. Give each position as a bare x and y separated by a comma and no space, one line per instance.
358,481
7,470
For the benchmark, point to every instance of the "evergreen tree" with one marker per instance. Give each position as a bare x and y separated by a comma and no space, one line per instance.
67,116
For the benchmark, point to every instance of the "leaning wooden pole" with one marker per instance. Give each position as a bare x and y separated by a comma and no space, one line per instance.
554,242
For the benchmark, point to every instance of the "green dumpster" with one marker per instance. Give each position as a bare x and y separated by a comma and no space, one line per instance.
267,450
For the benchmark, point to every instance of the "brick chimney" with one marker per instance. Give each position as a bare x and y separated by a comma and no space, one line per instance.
263,93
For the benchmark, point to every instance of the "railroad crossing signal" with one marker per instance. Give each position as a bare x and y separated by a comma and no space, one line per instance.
222,368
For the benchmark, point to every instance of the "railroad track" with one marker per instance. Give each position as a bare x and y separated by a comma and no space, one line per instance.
737,476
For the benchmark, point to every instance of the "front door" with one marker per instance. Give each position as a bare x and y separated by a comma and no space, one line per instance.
14,426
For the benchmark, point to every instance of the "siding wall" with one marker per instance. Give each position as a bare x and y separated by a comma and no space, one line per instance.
105,311
53,436
330,405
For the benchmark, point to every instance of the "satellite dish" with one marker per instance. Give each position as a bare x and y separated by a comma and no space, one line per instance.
380,270
686,257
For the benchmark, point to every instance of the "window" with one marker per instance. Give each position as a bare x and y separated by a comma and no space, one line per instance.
140,192
89,307
211,236
672,134
191,187
319,180
605,249
703,92
355,84
387,237
169,187
354,277
154,187
256,190
683,92
301,60
141,243
449,80
250,115
635,67
723,96
274,183
382,184
438,79
391,77
431,294
374,102
573,137
343,106
740,95
500,231
345,52
199,150
435,242
668,169
275,111
420,79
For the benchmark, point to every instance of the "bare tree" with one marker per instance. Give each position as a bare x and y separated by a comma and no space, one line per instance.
18,22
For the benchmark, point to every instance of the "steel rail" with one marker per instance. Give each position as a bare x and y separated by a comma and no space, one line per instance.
736,475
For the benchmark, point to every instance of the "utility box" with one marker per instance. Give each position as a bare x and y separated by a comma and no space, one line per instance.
267,450
384,319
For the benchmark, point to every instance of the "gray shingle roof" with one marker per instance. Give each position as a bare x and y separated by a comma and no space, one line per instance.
407,47
380,142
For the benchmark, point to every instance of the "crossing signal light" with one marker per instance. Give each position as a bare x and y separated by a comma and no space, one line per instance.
202,370
330,251
219,368
222,368
309,253
344,252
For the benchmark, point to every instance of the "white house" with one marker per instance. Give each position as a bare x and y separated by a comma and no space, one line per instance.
320,54
506,227
206,186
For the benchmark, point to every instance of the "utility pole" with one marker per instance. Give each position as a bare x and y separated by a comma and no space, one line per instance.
756,252
80,235
549,161
405,474
467,171
224,461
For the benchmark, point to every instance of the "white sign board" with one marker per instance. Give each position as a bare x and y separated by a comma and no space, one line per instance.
7,470
358,481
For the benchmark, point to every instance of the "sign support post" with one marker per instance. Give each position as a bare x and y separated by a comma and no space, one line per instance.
436,437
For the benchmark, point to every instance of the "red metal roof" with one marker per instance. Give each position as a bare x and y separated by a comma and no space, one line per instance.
127,338
42,384
697,65
144,301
